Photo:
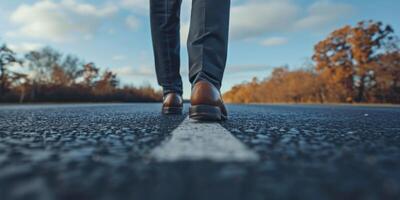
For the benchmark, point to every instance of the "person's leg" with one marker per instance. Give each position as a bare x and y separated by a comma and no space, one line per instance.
208,40
165,26
207,47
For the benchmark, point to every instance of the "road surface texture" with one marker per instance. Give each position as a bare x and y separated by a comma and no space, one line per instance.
116,151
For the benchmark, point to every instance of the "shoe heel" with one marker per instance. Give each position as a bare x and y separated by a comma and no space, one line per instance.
171,110
205,113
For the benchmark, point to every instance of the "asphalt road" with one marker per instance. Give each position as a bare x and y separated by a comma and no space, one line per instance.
102,152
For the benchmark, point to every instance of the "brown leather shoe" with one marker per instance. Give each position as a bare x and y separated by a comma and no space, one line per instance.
206,103
172,104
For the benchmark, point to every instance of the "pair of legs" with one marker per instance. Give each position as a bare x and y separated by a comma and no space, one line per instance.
207,42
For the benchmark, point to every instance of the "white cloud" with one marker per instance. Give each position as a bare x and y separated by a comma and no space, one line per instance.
119,57
138,6
111,31
132,22
144,71
256,18
259,17
324,13
131,72
274,41
25,47
59,21
89,9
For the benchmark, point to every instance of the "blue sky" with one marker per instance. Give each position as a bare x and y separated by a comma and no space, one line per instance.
115,34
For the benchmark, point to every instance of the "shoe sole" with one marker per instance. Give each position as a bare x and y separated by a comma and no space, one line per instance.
206,113
171,110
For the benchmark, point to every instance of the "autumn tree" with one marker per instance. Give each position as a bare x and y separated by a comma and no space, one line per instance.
66,72
50,67
283,85
348,59
21,83
107,83
89,73
42,63
56,77
387,79
7,58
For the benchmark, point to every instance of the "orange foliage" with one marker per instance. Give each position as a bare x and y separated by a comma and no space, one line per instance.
353,64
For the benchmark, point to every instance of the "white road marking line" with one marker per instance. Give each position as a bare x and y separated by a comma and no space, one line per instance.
192,141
